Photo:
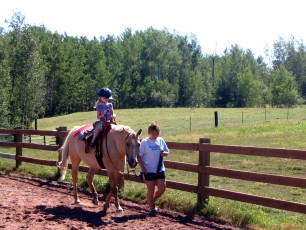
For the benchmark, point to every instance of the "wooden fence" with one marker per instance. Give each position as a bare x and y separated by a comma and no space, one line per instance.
203,168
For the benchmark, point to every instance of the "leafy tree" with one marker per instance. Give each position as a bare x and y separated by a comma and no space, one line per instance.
131,46
296,62
27,83
186,73
72,81
113,61
248,90
4,82
50,45
239,79
96,74
284,89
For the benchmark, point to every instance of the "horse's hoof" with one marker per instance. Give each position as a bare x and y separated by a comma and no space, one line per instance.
61,179
119,210
105,207
77,202
94,201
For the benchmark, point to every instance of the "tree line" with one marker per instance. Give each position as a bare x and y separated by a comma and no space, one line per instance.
45,74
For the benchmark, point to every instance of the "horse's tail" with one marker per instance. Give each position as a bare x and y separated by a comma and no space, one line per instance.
64,154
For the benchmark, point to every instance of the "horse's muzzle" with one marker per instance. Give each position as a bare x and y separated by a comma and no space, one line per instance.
132,163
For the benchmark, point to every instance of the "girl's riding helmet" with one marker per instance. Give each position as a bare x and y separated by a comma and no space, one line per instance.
105,92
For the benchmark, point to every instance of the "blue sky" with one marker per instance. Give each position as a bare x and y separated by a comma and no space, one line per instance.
217,24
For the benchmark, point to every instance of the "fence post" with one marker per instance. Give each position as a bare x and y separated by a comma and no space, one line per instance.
60,139
18,139
216,119
203,179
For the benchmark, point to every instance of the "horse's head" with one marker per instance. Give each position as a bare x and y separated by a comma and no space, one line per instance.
132,144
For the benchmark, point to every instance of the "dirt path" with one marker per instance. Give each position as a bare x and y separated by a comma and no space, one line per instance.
31,203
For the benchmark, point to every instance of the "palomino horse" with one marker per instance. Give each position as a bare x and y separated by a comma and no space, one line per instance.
120,142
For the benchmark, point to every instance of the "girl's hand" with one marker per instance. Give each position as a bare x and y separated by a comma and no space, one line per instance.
105,112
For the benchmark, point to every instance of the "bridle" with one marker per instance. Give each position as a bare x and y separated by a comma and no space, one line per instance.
126,154
127,157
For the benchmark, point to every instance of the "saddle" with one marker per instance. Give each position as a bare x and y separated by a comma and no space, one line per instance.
86,134
99,141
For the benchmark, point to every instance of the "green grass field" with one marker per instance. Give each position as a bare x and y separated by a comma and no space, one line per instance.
277,128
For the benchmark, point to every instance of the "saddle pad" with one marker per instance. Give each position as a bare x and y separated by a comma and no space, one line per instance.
79,134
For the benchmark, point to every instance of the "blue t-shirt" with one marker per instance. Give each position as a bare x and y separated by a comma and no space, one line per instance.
102,108
150,153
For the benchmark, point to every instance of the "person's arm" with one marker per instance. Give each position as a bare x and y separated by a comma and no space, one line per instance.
164,150
98,115
101,115
143,169
139,159
164,154
111,108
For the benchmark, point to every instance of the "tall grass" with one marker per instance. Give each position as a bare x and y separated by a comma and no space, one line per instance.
277,128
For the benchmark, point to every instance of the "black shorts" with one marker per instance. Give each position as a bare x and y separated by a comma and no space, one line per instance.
153,176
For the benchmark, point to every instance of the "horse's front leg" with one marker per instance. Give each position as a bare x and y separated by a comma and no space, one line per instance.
113,180
90,176
113,192
117,203
120,185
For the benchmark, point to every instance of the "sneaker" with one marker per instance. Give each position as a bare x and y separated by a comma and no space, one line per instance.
153,212
154,207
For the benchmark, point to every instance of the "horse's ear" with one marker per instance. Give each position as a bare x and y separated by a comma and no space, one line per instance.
139,132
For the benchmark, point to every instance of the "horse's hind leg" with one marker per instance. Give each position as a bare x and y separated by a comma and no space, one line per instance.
75,168
90,176
108,199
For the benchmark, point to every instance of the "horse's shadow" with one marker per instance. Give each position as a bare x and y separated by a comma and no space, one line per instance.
93,219
76,213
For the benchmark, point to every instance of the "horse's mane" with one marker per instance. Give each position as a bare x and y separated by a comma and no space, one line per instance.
126,128
121,127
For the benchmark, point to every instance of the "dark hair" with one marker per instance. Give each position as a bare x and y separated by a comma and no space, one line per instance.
153,127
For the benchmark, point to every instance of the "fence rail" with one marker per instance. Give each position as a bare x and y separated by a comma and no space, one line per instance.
203,168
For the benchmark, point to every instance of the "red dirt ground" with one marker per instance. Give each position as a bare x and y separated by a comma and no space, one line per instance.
31,203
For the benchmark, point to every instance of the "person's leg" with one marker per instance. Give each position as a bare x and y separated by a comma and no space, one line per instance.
98,127
150,192
161,188
92,144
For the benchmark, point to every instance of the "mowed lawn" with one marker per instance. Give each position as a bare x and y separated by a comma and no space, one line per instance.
263,127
